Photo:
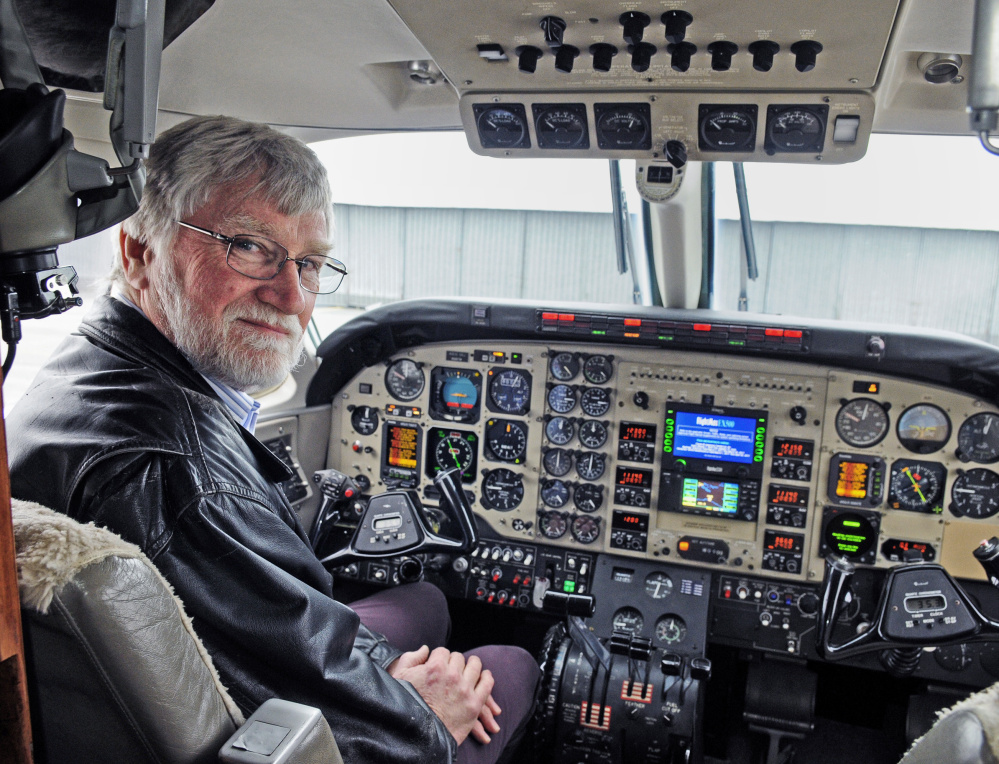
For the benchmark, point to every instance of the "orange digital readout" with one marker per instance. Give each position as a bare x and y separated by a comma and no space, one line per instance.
852,480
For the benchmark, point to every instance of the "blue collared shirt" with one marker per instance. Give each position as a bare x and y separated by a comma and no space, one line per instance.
242,406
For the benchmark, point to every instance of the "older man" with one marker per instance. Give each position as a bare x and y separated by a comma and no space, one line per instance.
142,423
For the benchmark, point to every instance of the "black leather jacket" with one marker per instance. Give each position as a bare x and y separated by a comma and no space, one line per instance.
118,428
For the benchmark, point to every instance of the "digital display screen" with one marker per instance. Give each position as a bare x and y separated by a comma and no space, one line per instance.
635,477
925,603
851,482
402,445
793,449
645,433
630,521
849,534
715,437
710,495
775,541
387,523
787,496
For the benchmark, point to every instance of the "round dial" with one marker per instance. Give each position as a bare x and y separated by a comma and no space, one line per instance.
364,419
598,369
455,394
585,529
623,128
404,380
916,486
564,366
796,130
553,525
629,620
507,439
510,391
503,489
590,466
558,461
560,430
671,630
592,434
562,398
588,497
560,128
454,451
728,129
501,127
978,439
954,657
975,494
923,429
658,585
850,534
595,401
554,493
862,422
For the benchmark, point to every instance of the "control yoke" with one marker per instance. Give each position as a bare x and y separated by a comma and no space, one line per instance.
921,605
394,524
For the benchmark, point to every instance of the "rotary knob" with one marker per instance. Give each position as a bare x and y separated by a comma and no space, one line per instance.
676,25
763,52
805,52
721,54
554,29
602,54
527,58
564,58
641,56
634,23
680,53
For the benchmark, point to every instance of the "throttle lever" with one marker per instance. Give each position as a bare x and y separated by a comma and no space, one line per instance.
335,488
987,554
839,572
572,606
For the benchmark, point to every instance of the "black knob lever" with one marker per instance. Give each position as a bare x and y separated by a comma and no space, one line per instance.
805,52
763,52
602,53
527,58
554,29
676,25
634,23
680,53
565,56
641,56
721,54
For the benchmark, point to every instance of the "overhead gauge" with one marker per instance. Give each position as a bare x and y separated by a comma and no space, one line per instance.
727,128
671,630
557,461
510,391
507,439
592,434
588,497
792,129
862,422
562,398
404,380
978,439
598,369
923,428
590,466
561,126
502,489
564,366
916,486
554,493
658,585
628,620
447,449
553,525
975,494
560,430
455,394
364,419
502,126
623,127
585,529
595,401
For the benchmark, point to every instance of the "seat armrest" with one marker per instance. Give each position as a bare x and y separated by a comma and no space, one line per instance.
282,732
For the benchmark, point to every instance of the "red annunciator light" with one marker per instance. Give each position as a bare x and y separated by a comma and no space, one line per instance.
702,327
566,317
794,333
775,332
632,322
549,316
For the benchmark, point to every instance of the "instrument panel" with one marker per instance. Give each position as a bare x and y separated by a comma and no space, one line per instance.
738,464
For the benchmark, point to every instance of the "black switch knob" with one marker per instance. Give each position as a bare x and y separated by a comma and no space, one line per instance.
527,58
641,399
721,54
602,54
676,153
554,28
808,603
700,668
564,58
805,52
798,414
676,25
763,52
671,664
641,56
680,53
634,23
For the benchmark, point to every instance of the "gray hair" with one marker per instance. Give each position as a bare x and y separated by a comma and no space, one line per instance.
192,160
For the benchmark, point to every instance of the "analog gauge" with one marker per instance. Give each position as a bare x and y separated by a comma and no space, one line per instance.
954,657
587,497
796,128
502,126
404,380
862,422
592,434
585,529
598,369
562,398
671,630
554,493
916,486
975,494
623,128
658,585
561,127
595,401
923,429
455,394
850,534
510,391
553,525
978,439
364,419
590,466
560,430
503,489
452,450
629,620
564,366
727,128
558,461
507,439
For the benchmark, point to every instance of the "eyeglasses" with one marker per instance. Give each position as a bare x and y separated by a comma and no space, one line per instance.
258,258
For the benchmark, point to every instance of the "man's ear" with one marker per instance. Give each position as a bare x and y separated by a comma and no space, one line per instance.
136,260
